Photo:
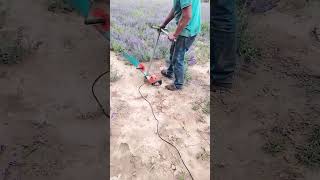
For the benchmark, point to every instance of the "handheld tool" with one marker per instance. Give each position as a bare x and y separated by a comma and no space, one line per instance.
95,14
160,30
150,78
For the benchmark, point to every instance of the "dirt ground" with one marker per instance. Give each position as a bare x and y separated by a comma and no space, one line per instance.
50,125
277,95
136,150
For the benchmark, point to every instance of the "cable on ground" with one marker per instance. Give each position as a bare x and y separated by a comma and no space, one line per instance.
94,95
159,134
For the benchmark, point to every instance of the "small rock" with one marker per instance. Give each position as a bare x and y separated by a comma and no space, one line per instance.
173,167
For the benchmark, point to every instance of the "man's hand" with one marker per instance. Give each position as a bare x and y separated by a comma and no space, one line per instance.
162,26
172,37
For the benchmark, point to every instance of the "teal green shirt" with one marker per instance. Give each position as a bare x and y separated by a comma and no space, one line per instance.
194,26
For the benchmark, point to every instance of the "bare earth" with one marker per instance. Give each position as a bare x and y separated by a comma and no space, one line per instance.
136,150
50,126
275,96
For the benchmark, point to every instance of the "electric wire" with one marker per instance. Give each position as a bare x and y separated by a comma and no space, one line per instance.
159,134
95,97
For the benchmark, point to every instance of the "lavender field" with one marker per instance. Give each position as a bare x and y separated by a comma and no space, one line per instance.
130,31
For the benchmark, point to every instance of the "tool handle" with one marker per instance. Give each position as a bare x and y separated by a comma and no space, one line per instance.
158,28
95,21
165,31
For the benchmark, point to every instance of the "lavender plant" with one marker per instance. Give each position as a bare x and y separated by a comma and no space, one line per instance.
130,31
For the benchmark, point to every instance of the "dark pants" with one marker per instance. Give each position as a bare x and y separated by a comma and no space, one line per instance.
223,41
177,54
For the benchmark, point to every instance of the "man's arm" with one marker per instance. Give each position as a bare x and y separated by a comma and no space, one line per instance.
168,19
186,16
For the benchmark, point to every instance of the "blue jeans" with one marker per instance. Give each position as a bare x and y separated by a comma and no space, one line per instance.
177,54
223,39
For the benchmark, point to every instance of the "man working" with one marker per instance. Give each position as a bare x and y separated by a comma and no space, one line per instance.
223,39
188,18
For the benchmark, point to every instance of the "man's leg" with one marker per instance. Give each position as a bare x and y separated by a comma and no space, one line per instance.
223,59
182,45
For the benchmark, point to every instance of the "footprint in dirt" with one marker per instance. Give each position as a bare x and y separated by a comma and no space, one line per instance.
123,151
124,148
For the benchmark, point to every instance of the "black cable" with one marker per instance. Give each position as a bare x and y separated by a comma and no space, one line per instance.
159,134
94,95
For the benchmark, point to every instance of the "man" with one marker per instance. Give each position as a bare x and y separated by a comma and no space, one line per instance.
223,43
187,14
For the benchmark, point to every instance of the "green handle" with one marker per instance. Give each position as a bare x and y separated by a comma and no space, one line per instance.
83,6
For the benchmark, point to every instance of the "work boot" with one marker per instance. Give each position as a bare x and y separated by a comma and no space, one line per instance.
165,74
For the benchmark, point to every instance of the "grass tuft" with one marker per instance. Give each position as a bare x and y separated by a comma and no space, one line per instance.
246,48
309,153
15,46
114,74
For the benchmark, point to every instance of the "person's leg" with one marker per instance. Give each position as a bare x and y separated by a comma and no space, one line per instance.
223,59
182,46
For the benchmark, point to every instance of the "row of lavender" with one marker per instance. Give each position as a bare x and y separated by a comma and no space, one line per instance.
130,31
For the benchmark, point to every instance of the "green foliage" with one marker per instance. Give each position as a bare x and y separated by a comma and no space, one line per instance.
202,52
114,74
202,105
14,46
137,13
205,28
116,47
274,146
309,153
187,74
246,48
130,31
